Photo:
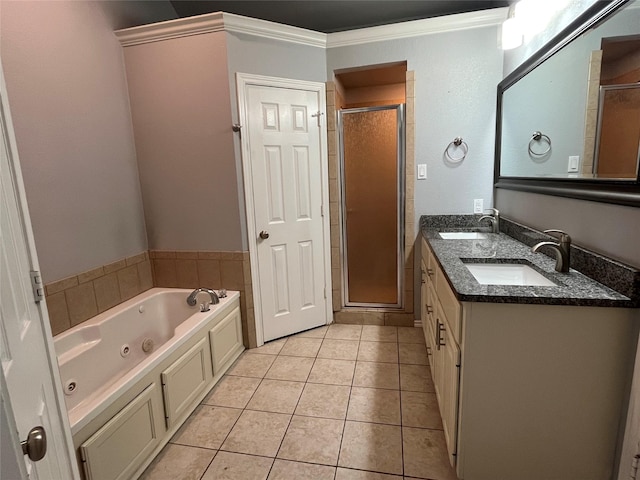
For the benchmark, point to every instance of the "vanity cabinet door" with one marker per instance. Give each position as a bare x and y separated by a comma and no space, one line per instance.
450,389
429,306
423,298
446,378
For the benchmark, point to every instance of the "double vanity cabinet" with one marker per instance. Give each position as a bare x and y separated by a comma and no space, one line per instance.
531,381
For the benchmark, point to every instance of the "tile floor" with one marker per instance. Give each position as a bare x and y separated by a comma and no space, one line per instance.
343,402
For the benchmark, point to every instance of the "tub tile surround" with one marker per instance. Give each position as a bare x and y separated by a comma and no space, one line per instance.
73,300
365,316
304,426
594,280
209,269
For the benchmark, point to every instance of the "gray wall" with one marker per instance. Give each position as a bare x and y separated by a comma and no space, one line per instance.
68,95
260,56
181,113
455,87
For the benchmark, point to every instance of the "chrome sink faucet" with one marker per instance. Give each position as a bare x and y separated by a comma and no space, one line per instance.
494,218
204,307
562,249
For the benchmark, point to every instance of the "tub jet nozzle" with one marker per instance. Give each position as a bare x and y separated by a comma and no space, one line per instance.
147,345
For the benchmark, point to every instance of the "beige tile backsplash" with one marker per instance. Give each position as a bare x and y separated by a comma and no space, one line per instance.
192,269
73,300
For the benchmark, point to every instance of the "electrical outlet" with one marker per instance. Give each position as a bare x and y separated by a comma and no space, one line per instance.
478,205
422,171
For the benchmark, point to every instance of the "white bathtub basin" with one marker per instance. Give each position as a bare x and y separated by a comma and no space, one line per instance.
94,366
507,274
463,235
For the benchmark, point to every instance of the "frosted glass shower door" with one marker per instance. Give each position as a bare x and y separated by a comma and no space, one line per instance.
372,166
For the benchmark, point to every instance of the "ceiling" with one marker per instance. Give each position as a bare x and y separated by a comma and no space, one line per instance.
329,16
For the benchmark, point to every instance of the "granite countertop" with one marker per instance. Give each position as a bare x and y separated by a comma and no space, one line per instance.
572,288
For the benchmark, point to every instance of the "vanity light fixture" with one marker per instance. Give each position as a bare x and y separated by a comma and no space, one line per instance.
511,31
526,19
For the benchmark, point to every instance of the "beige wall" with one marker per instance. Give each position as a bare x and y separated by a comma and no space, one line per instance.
181,112
68,95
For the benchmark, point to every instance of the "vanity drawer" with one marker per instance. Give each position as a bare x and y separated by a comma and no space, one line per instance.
429,262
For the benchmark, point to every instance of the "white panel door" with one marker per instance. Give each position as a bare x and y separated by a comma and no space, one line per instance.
26,347
285,152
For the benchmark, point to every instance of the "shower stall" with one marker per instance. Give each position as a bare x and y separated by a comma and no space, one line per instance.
372,146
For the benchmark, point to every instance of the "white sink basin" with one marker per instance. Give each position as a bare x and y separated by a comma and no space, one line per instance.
463,235
507,274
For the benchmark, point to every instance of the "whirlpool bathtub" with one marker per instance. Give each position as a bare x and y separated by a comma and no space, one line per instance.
102,358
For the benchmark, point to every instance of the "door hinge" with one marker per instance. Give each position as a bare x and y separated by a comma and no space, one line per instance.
324,291
322,210
36,286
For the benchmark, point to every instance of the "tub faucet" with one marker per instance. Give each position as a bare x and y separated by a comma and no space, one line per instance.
191,299
494,218
562,249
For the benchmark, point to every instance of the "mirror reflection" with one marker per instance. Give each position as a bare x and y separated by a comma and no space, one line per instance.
577,115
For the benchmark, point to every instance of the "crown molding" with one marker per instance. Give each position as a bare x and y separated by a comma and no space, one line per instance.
274,31
417,28
182,27
217,22
220,21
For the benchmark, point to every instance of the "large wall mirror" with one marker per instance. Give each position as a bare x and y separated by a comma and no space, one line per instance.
568,119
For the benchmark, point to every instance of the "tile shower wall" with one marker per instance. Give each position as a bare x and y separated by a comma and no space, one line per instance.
193,269
73,300
362,316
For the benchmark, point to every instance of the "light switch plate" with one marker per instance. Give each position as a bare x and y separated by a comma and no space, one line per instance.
422,171
574,163
478,205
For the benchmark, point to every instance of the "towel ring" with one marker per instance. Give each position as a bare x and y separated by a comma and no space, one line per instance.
457,142
538,137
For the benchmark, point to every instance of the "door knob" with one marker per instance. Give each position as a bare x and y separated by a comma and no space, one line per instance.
35,446
264,235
